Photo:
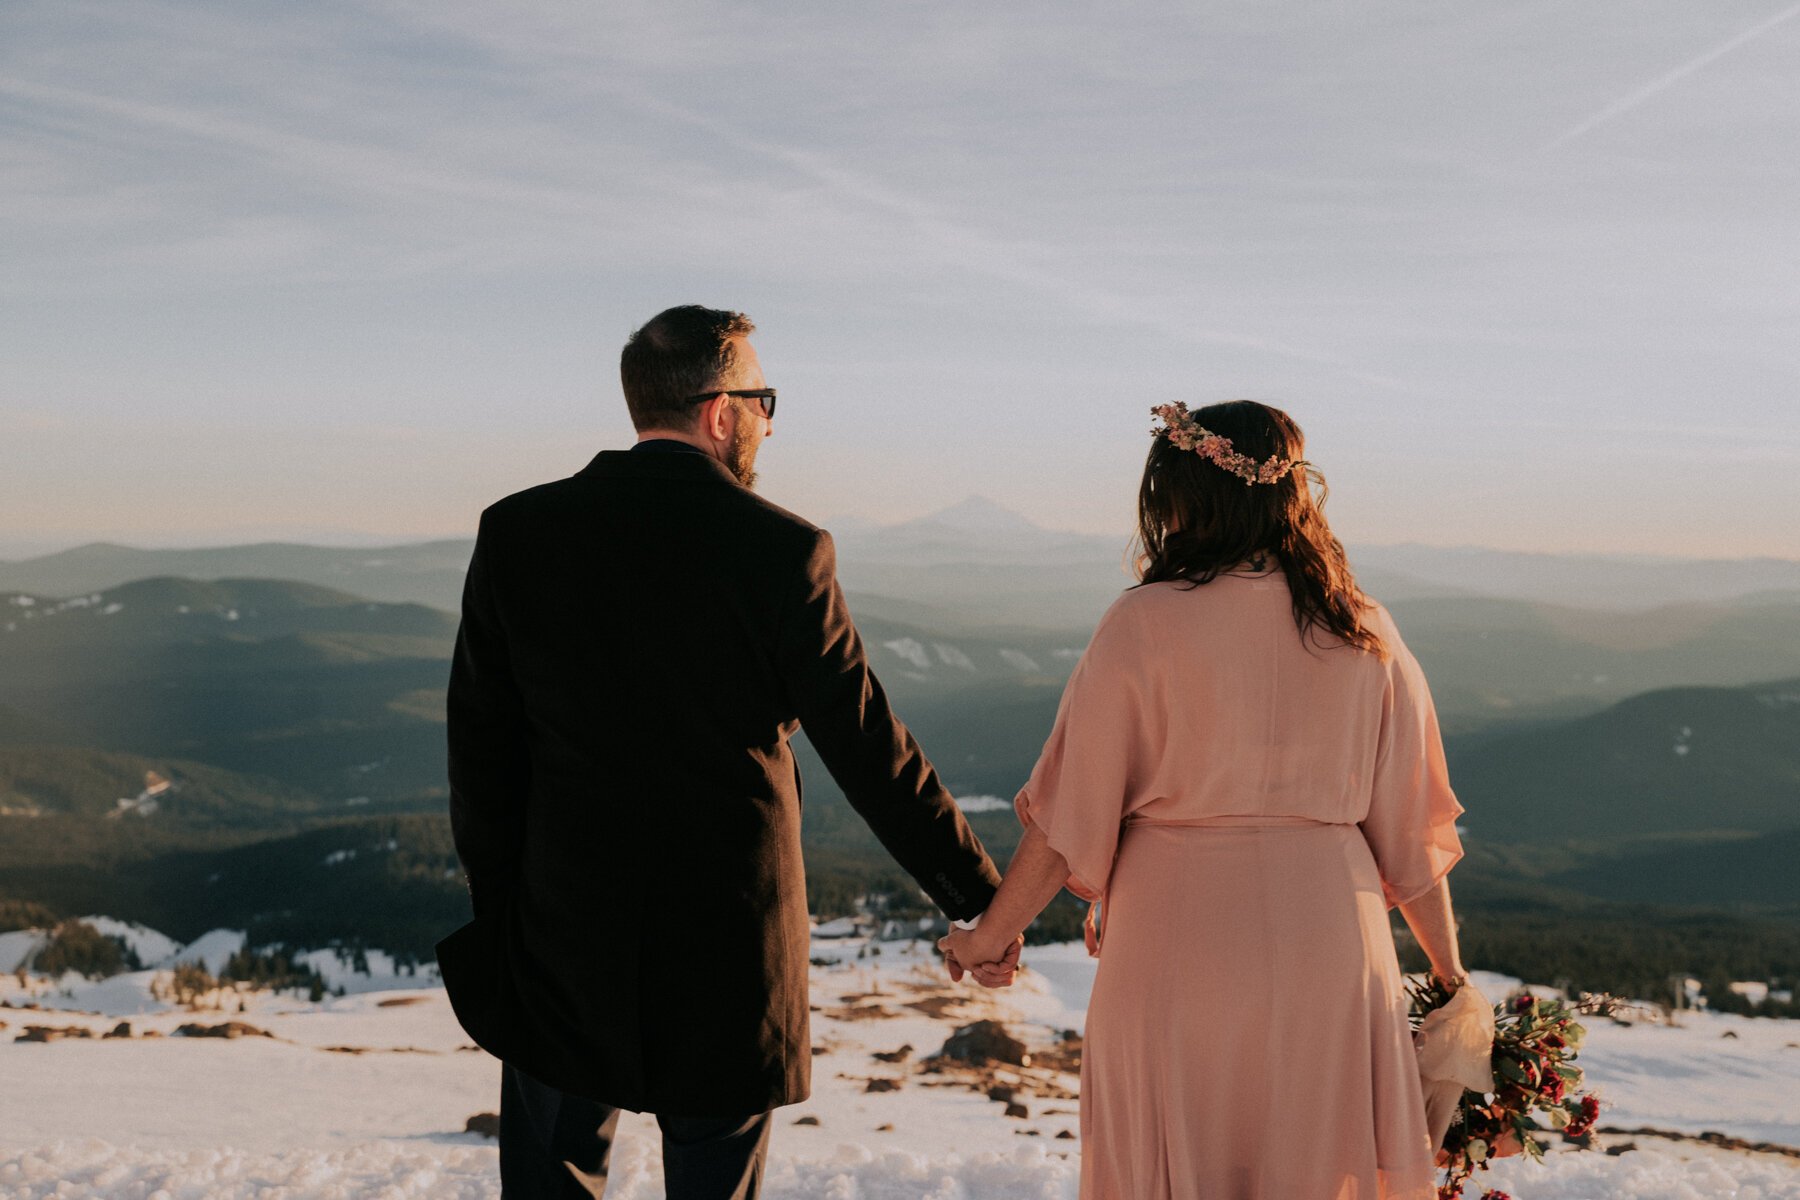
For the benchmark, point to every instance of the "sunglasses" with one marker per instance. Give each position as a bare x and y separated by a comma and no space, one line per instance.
765,395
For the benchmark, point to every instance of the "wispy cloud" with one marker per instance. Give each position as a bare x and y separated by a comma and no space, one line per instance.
1667,80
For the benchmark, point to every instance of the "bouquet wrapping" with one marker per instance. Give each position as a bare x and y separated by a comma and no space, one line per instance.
1482,1111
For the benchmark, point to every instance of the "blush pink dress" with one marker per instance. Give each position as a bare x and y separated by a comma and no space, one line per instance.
1249,805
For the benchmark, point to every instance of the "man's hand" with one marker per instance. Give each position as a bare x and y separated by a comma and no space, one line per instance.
970,951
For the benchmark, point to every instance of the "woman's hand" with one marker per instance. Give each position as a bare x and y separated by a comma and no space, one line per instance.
988,951
991,961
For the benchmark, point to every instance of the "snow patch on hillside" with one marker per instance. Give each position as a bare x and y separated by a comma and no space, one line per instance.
19,945
210,950
149,945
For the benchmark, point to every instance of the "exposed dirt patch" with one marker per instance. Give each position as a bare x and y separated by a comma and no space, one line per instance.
377,1050
941,1005
1710,1138
225,1029
53,1033
860,1012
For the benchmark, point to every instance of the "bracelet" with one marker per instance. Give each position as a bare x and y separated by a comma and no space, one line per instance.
1454,982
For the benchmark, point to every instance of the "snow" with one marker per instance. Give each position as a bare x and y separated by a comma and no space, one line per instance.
1018,660
17,946
910,650
977,804
382,973
953,656
149,945
211,950
290,1117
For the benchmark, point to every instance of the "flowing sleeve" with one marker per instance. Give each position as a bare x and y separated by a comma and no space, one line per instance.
1411,826
1091,766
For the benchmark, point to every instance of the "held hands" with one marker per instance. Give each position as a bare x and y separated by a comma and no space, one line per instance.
976,952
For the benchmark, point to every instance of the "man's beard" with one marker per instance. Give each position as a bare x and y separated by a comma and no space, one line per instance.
740,456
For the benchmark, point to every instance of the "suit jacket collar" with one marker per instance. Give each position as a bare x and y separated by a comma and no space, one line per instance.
623,464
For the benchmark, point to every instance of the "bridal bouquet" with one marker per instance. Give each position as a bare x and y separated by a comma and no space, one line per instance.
1535,1086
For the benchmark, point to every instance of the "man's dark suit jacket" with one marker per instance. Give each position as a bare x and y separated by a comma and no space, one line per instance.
638,644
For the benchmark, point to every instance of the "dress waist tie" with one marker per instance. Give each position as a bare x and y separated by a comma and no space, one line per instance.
1093,929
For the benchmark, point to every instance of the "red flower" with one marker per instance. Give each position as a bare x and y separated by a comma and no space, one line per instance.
1583,1123
1494,1195
1525,1003
1554,1042
1553,1087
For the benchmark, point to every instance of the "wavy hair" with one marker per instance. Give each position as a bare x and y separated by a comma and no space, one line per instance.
1197,521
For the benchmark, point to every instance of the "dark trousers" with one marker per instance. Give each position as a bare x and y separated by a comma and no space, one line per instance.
554,1146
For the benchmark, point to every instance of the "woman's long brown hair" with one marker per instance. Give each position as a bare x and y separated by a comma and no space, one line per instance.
1197,520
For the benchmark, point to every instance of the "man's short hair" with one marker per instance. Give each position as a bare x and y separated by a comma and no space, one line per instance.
680,352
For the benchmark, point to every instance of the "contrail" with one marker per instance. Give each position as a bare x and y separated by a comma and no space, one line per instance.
1626,103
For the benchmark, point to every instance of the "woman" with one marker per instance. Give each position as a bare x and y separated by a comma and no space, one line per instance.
1246,770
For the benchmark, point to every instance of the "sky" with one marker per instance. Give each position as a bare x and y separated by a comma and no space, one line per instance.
1527,274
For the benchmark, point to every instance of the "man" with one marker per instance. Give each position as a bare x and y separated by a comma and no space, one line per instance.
639,642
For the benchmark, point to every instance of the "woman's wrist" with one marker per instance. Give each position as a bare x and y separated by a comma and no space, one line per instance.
1452,979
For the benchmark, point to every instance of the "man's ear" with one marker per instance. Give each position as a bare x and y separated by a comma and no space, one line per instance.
712,418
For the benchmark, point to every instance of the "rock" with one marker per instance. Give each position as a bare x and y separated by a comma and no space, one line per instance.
884,1129
152,1033
121,1030
226,1029
53,1033
985,1042
1065,1135
486,1124
1730,1033
1621,1148
1015,1109
806,1120
894,1056
1002,1093
883,1085
818,1050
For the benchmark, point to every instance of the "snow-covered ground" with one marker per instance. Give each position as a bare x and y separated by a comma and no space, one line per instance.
366,1095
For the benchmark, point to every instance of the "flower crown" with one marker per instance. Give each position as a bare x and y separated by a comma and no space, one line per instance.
1187,434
